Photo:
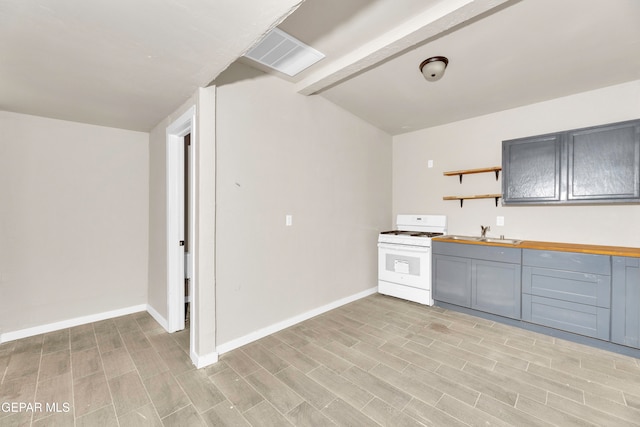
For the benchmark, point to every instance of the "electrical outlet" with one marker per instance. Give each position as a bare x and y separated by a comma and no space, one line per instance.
500,220
288,220
430,164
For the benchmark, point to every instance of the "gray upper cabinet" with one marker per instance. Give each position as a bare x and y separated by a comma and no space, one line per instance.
599,164
604,163
531,169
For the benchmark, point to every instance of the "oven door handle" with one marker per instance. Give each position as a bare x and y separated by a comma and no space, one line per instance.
404,248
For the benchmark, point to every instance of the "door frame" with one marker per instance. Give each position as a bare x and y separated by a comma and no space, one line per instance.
175,133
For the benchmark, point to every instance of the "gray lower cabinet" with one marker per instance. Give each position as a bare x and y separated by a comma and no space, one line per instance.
452,279
495,287
597,296
625,301
599,164
567,291
485,278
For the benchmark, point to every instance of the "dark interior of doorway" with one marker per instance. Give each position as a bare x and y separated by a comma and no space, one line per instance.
187,243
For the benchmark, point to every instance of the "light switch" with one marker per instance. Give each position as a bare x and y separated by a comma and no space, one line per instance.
500,220
288,220
430,164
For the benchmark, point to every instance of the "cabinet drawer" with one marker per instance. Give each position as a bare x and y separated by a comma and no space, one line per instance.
581,288
489,253
567,316
572,261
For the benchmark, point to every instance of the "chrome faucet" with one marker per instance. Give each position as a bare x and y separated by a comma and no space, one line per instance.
483,231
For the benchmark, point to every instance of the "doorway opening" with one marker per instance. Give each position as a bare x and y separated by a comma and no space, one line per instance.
181,280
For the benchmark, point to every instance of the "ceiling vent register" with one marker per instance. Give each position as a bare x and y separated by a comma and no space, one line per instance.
284,53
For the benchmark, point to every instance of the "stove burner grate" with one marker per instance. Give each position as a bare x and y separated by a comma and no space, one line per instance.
412,233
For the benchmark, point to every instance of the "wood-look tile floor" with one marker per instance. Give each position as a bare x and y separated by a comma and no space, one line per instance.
376,361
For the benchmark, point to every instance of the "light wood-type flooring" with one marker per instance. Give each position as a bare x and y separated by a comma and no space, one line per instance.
376,361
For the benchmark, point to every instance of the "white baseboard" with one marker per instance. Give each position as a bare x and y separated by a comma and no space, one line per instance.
199,361
77,321
261,333
202,361
158,318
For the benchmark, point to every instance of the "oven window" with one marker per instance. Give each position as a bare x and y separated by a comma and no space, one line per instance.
402,264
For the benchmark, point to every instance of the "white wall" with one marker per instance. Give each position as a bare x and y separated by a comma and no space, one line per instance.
203,312
73,220
281,153
477,142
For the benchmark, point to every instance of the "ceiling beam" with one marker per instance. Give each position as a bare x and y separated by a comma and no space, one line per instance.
427,25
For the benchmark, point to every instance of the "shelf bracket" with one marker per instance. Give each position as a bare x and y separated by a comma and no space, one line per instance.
497,198
460,178
461,200
497,174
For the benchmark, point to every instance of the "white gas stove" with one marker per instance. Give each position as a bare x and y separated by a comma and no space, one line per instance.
404,257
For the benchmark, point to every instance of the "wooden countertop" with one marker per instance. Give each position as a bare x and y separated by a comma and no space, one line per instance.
556,246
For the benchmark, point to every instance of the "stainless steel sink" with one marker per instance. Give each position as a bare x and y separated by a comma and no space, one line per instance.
503,241
483,239
456,237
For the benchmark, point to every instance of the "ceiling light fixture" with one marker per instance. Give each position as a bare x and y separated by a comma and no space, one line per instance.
433,68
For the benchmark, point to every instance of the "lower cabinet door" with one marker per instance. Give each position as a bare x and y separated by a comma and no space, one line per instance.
568,316
495,288
625,301
452,280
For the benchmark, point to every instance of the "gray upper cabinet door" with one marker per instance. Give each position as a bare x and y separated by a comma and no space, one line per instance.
604,163
600,164
531,169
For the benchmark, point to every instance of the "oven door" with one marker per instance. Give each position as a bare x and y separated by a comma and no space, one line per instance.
405,265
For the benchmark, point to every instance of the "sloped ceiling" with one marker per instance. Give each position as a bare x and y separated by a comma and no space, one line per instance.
528,52
121,63
502,54
129,63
